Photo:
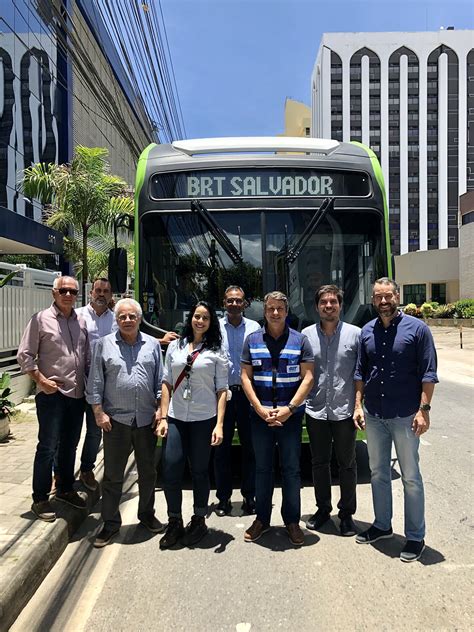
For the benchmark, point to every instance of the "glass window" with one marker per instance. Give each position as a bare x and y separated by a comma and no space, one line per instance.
438,293
181,261
415,293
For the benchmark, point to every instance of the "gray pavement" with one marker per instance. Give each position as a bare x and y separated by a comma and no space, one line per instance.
30,548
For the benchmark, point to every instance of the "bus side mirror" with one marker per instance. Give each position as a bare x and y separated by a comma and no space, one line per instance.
118,270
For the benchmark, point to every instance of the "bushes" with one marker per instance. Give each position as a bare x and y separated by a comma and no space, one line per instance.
461,309
465,308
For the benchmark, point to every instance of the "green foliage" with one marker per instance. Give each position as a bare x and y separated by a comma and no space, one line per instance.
410,309
427,310
8,277
444,311
77,197
465,308
6,404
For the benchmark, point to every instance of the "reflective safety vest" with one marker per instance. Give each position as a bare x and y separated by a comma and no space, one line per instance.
275,386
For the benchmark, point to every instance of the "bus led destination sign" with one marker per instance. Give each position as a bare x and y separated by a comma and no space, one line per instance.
260,183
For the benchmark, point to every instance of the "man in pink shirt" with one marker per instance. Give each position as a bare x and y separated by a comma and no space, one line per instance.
55,352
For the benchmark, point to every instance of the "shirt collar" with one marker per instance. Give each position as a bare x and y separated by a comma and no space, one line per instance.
94,314
226,322
118,337
285,332
394,321
336,331
58,313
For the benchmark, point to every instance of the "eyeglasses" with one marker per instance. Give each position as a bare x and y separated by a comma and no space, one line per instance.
67,290
387,297
123,317
189,365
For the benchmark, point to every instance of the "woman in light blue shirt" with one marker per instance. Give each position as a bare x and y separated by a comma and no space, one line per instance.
193,403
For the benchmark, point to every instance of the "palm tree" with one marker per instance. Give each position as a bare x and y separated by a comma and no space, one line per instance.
80,195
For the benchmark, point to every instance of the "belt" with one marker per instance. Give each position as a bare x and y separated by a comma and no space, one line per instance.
235,387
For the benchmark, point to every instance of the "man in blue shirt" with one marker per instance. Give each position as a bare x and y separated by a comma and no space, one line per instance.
277,375
395,375
124,390
329,409
235,328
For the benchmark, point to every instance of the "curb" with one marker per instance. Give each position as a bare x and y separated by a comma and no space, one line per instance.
30,551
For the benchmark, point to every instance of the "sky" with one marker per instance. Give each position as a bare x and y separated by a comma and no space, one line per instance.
236,61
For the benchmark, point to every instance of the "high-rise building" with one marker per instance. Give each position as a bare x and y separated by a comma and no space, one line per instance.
61,84
410,97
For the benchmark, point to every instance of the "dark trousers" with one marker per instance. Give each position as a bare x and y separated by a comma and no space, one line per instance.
91,441
288,439
237,413
187,440
60,422
117,446
322,434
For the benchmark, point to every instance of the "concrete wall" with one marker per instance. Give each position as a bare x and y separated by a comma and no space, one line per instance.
466,261
428,267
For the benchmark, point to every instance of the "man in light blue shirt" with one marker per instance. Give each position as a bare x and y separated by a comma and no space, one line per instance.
100,321
330,407
235,328
124,390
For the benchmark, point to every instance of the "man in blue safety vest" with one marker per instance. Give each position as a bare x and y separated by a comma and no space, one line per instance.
277,375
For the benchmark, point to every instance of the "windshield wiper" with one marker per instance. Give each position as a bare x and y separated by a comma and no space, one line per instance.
293,252
216,231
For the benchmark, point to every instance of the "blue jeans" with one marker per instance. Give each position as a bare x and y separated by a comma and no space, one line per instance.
187,440
60,422
288,439
380,434
237,412
91,441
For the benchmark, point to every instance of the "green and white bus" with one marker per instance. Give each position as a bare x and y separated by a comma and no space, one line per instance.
264,213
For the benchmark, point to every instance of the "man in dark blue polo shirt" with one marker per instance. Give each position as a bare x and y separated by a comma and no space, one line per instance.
395,375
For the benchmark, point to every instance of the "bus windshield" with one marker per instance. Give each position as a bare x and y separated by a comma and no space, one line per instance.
181,261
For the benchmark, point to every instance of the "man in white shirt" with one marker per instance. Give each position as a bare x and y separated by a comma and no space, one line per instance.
235,328
100,322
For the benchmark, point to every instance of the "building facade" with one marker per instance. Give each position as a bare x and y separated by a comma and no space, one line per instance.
60,85
410,97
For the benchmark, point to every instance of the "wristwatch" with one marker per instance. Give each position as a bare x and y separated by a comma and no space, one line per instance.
292,407
426,407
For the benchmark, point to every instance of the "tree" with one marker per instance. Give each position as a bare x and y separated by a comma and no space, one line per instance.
78,196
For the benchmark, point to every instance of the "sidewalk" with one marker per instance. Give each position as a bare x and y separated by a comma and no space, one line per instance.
29,548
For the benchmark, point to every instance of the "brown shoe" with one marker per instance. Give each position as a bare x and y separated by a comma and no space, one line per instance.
255,531
88,480
295,534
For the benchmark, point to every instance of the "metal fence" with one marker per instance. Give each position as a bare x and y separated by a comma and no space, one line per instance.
28,292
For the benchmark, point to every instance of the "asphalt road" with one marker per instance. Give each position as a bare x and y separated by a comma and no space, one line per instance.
330,584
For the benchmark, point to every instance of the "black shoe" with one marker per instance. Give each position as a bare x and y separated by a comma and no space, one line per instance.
224,507
72,498
104,537
347,527
412,551
153,524
43,510
373,534
248,506
317,521
195,531
174,531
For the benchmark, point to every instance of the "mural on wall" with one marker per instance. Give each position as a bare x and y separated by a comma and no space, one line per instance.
28,115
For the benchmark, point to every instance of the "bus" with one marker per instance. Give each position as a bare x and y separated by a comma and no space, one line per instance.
264,213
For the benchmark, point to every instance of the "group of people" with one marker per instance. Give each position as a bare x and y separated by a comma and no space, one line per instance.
223,374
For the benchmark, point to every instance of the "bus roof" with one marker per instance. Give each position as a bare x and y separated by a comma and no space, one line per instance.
245,147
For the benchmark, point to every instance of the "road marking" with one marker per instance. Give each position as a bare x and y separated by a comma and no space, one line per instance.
243,627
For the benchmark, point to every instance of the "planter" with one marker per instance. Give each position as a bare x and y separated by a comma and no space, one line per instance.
4,427
450,322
